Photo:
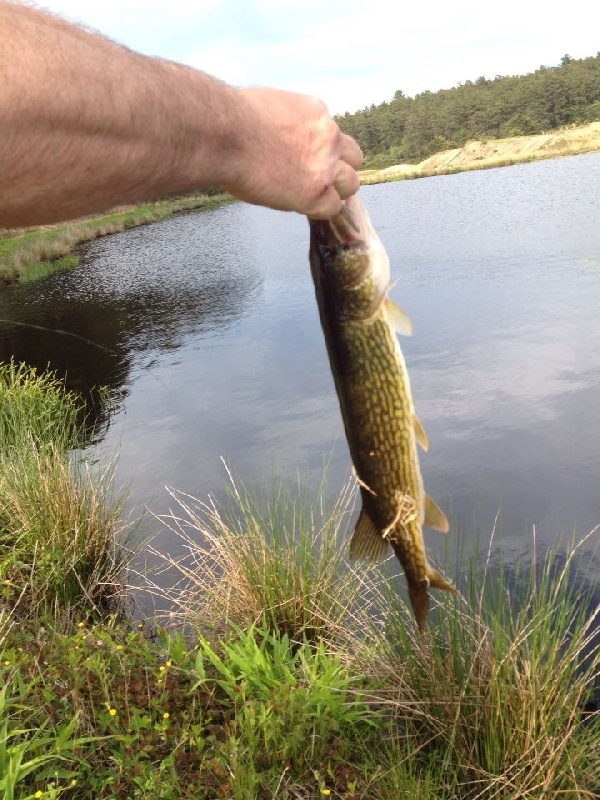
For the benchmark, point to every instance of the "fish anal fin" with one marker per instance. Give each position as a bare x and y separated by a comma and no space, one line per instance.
437,581
434,516
367,543
420,433
397,317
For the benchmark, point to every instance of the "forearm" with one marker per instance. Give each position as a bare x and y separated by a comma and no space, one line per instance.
85,124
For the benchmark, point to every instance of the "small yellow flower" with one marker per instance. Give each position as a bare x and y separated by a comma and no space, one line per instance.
119,647
166,715
7,663
161,668
112,712
80,624
39,793
169,662
325,792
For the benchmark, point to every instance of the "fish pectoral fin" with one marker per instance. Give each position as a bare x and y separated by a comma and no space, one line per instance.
397,317
434,516
367,543
420,433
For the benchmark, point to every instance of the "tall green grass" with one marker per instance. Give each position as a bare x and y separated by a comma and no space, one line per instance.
496,691
278,562
35,407
301,676
58,521
489,703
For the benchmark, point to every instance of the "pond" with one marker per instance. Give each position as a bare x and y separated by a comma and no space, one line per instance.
205,327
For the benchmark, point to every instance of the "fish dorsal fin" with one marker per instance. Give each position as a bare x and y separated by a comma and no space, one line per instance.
367,543
420,433
434,516
397,317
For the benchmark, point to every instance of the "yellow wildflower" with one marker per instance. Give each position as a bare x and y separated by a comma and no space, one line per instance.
112,712
166,715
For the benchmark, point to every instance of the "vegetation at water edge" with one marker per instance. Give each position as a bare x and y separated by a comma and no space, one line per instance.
31,254
283,672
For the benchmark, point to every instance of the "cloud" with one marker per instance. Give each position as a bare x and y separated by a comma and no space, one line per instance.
349,52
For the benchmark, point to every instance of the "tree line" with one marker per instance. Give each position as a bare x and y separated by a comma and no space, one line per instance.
409,129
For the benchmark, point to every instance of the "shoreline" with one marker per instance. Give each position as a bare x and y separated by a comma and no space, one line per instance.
492,153
30,254
277,662
33,253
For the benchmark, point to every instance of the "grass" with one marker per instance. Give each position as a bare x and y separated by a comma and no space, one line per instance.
27,255
276,562
58,529
288,673
490,704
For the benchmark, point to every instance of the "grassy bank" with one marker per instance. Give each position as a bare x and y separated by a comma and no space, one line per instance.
30,254
491,153
59,555
297,677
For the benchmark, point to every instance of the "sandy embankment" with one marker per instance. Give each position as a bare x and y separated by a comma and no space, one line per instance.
495,153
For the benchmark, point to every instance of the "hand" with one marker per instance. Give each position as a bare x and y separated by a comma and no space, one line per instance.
294,157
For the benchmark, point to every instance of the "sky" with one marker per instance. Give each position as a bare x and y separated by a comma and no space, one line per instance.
350,53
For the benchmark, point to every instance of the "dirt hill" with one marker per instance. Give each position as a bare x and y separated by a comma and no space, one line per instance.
495,153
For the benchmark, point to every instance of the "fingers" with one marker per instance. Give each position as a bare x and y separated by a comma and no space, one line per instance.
327,206
346,183
350,151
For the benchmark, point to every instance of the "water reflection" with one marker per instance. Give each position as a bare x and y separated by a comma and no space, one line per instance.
137,295
212,336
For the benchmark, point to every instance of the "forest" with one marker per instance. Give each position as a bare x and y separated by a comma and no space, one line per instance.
409,129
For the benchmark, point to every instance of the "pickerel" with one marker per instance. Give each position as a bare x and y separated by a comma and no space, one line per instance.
351,273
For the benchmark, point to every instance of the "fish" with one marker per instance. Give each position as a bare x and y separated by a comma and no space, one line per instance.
351,274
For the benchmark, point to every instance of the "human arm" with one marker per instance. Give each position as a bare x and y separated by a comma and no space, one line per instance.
86,124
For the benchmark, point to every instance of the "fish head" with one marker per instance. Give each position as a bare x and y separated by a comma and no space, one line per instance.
348,261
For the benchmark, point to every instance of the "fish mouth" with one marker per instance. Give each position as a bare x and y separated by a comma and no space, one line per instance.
349,227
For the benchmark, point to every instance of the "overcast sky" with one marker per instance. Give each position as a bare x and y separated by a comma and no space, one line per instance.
351,53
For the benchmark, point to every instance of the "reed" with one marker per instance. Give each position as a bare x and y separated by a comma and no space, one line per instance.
59,521
490,703
278,563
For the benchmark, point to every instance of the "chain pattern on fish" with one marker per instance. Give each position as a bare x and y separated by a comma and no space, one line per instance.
351,274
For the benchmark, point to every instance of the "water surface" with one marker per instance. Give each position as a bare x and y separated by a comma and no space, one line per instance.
206,326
